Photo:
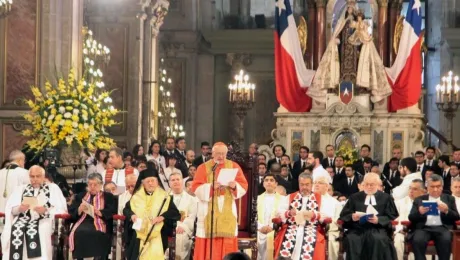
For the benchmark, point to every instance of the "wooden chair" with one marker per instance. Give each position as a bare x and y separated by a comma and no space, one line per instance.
431,249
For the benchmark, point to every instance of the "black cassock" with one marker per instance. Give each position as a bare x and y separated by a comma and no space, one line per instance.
132,246
369,241
87,240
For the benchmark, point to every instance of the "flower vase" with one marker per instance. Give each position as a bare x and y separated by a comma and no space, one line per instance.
72,165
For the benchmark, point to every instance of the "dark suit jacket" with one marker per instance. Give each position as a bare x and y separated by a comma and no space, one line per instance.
326,163
447,183
448,220
180,163
435,167
296,171
270,162
286,184
346,189
198,160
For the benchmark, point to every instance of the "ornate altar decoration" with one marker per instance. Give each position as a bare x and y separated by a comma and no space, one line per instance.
347,36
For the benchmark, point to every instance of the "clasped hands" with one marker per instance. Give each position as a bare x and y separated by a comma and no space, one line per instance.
265,229
24,207
306,214
217,185
83,208
441,206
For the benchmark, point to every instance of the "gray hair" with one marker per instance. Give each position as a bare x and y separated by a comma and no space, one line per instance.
372,177
175,173
110,182
16,155
435,178
95,176
117,150
421,183
37,168
456,179
306,176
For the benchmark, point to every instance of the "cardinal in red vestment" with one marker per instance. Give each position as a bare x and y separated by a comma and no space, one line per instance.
222,196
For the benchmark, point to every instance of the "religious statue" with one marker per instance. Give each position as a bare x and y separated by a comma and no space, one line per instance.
351,56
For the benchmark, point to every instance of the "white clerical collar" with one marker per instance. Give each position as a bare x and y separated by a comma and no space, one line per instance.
370,200
433,198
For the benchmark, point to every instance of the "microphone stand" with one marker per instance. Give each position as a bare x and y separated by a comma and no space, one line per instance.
212,208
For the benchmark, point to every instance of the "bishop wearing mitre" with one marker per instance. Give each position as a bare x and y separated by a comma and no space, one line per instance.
220,197
29,215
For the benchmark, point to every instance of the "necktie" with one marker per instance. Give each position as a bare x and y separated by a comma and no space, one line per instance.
444,174
429,163
418,168
349,182
205,158
303,165
330,162
391,175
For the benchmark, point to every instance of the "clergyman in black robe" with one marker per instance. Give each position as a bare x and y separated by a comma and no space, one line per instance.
91,237
369,238
156,208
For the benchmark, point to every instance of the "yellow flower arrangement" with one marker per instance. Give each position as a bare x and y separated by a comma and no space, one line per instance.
68,114
349,155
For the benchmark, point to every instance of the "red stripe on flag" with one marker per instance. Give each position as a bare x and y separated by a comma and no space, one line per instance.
288,90
408,85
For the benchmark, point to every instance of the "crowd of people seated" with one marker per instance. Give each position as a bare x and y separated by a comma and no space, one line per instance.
302,205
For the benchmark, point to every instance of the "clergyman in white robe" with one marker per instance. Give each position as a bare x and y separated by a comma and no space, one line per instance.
404,206
187,206
57,205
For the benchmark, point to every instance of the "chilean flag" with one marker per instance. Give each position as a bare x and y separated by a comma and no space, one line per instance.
292,76
405,76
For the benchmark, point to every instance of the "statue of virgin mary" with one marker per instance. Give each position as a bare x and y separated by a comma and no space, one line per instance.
357,61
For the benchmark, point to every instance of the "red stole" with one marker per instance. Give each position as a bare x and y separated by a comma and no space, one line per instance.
109,173
320,245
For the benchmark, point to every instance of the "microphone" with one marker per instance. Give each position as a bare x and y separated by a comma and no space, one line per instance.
386,180
215,166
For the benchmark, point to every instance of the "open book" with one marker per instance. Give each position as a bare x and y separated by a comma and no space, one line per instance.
89,209
433,205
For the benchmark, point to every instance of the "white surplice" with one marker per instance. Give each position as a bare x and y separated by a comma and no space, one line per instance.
187,205
331,208
404,207
45,228
10,179
118,176
403,189
268,205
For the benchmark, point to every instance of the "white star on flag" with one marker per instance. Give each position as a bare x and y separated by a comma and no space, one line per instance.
345,93
281,6
417,5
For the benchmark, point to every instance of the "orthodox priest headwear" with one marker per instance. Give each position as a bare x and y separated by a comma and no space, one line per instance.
151,171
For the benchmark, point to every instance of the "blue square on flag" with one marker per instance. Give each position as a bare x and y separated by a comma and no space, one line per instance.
346,92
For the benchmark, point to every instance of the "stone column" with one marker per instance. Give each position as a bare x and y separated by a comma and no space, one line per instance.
383,31
320,37
245,11
154,20
311,23
395,9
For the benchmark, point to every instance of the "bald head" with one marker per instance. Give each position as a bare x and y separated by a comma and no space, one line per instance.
36,176
18,158
130,182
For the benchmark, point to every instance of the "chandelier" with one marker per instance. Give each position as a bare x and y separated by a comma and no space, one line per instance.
168,125
5,7
242,96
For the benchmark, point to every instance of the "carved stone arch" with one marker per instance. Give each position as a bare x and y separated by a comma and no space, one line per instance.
267,151
339,131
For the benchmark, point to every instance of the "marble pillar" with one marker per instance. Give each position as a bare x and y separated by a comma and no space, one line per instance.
320,37
383,31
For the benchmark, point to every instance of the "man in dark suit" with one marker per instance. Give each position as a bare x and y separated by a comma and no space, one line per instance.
364,153
430,152
278,151
329,160
456,157
420,159
276,169
349,184
262,170
433,227
180,155
205,152
395,153
299,166
444,165
170,148
339,172
392,174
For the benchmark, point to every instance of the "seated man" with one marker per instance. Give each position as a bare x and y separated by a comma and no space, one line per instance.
330,208
27,233
368,238
416,189
187,206
301,213
130,182
90,236
268,204
433,227
152,209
